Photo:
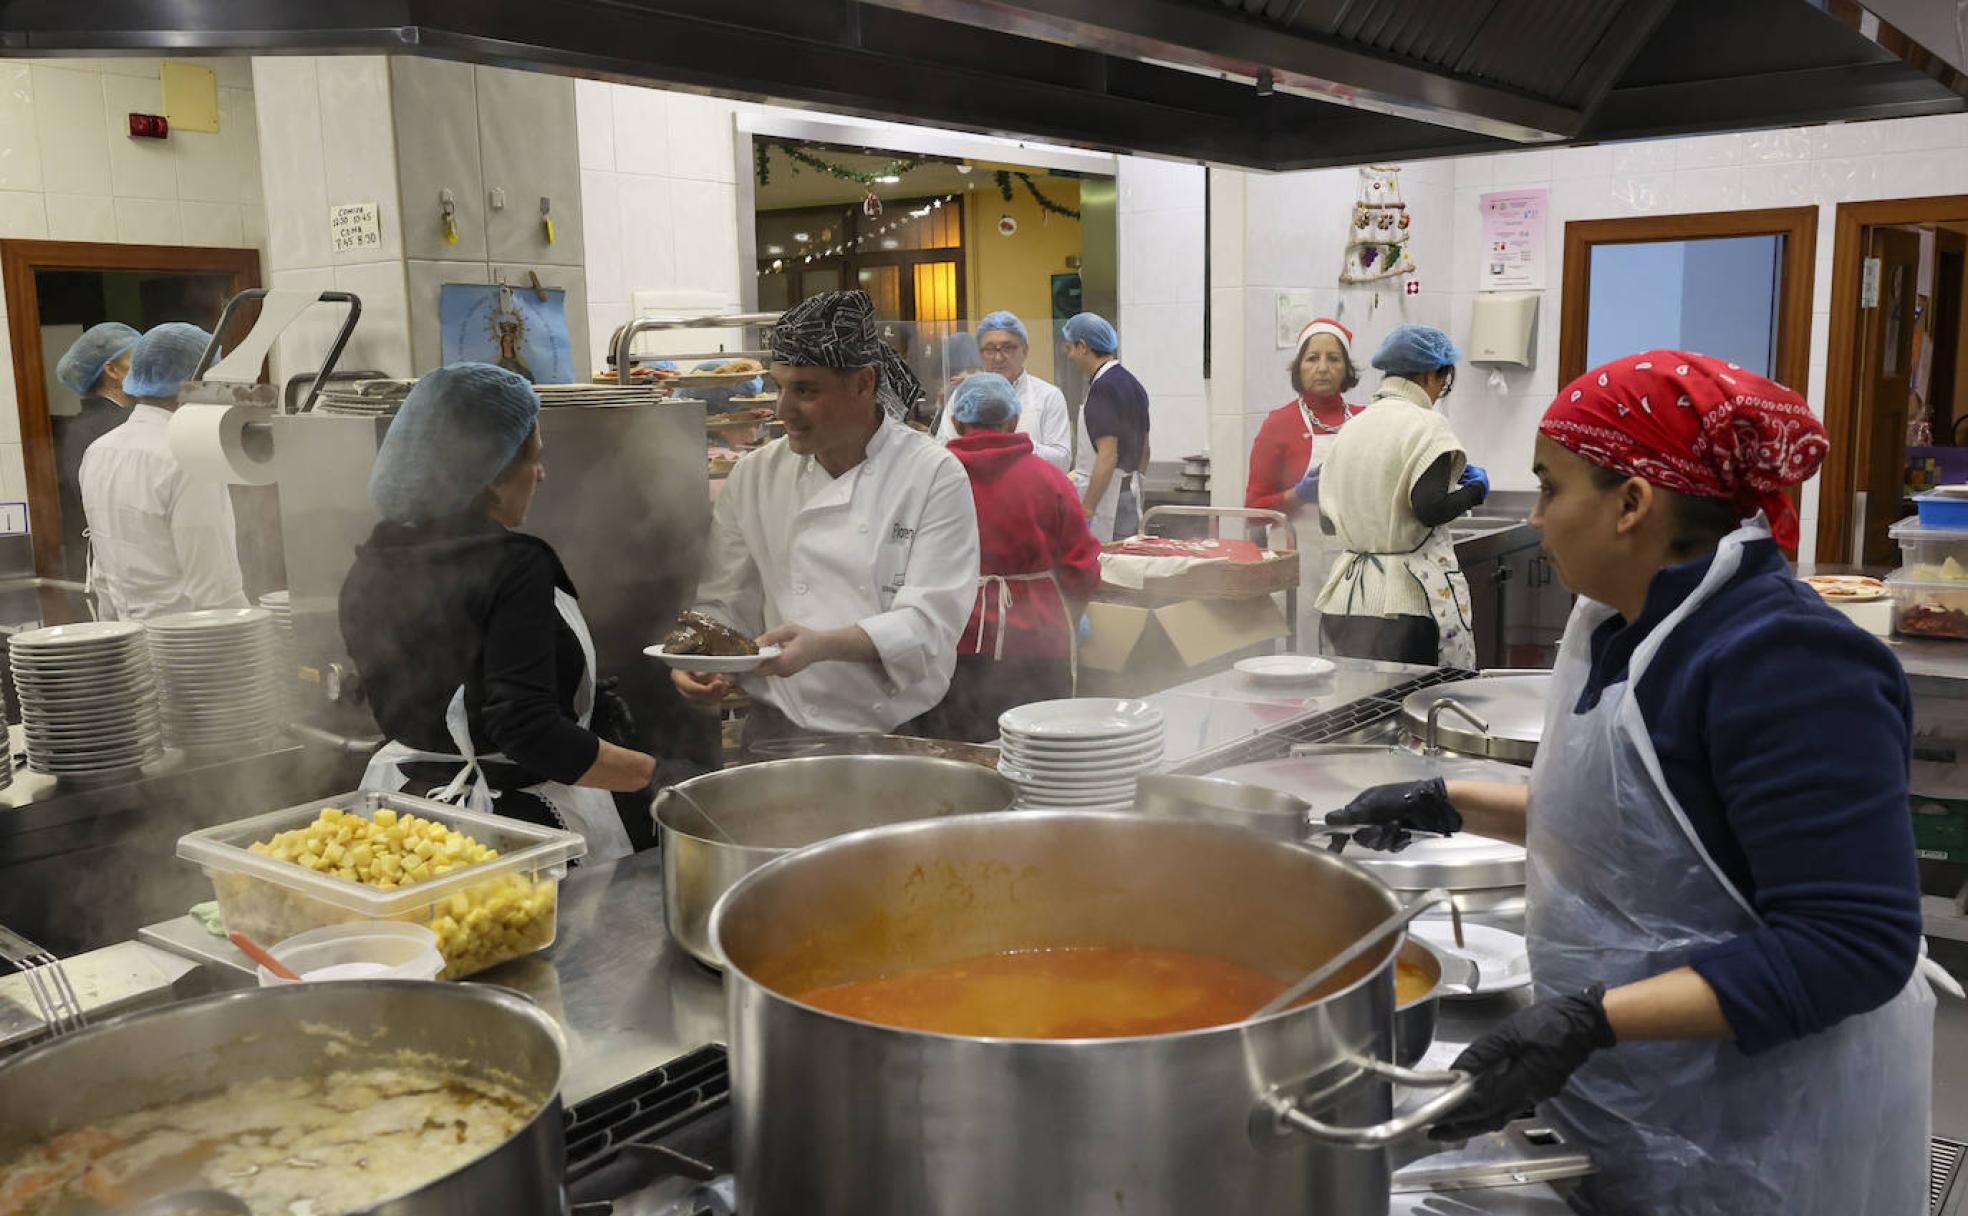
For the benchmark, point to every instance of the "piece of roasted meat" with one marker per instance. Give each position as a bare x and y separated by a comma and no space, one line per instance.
696,633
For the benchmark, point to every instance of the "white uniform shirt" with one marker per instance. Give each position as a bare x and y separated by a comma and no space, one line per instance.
159,541
1041,414
890,545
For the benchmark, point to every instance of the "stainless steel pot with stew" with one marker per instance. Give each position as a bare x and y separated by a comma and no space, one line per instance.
1050,1012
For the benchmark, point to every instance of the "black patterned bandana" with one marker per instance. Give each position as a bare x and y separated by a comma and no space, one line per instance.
837,329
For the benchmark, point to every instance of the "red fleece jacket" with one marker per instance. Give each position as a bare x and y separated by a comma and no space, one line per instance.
1029,521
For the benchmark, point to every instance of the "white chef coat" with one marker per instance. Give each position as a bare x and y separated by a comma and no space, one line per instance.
1041,414
890,545
160,540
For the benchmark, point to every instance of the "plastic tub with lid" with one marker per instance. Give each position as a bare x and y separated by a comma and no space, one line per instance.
1931,554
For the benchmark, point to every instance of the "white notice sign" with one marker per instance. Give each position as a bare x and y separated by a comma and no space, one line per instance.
354,226
1513,240
13,519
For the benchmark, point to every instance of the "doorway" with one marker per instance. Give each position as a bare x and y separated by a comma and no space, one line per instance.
55,290
1896,377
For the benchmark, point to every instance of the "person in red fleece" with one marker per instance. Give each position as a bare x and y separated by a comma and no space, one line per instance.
1040,563
1296,436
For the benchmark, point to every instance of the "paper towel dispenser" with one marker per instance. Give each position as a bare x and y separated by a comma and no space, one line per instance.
1501,326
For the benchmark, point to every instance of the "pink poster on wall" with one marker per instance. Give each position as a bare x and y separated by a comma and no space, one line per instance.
1513,240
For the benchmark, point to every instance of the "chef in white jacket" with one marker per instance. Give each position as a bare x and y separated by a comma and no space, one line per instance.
160,541
851,543
1002,347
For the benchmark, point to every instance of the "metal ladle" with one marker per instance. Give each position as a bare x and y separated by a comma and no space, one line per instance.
1332,966
697,806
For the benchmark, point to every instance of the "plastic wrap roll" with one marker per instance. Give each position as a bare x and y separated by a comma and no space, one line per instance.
229,443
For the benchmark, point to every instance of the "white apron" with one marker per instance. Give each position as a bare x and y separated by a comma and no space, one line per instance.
590,812
1107,511
1316,550
1004,582
1432,564
1620,888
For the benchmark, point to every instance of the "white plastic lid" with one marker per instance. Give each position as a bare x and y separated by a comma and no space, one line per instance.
1911,528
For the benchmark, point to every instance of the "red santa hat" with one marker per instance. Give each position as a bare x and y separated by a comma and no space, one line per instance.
1326,325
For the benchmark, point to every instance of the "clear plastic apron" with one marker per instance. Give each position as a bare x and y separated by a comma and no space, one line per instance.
590,812
1620,888
1004,582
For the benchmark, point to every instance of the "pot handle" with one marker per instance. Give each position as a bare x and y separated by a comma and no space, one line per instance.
1291,1118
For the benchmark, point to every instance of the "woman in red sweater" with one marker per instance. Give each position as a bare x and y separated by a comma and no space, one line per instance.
1040,564
1292,444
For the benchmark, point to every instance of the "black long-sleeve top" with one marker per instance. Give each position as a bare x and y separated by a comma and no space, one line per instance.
468,602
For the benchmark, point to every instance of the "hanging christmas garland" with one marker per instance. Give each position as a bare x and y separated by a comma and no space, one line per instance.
762,163
799,155
1004,177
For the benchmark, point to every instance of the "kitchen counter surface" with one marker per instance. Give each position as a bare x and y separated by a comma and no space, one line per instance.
1216,712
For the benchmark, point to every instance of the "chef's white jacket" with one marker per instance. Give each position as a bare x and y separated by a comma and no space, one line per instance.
890,545
159,540
1041,414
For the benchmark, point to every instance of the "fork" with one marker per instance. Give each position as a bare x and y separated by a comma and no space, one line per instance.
47,980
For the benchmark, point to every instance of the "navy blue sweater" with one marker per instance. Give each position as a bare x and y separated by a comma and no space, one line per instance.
1785,733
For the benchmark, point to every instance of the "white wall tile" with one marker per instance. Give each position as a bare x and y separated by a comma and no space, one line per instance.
1180,426
68,118
358,147
642,130
22,214
1228,188
649,236
1579,198
1844,179
10,428
239,128
145,66
216,224
1144,183
1920,175
603,321
1572,163
20,146
1161,256
229,71
382,340
1654,192
288,98
1642,157
1523,168
702,146
1229,449
594,122
207,164
601,230
1708,151
252,227
1853,139
81,217
1784,144
1162,344
1776,184
1475,171
1717,189
149,221
13,471
138,168
706,218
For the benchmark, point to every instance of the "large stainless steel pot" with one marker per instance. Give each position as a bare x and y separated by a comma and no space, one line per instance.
1289,1113
760,812
983,754
192,1048
1497,715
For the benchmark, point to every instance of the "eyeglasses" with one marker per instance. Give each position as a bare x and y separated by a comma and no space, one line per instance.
1000,351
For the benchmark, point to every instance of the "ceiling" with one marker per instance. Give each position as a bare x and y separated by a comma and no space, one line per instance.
1268,84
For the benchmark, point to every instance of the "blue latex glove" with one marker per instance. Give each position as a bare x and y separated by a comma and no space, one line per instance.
1307,490
1476,473
1084,628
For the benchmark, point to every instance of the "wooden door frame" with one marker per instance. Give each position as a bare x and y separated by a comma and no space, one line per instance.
1791,361
19,261
1841,415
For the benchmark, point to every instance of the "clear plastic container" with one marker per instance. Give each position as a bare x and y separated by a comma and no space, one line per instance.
360,950
483,914
1931,555
1924,608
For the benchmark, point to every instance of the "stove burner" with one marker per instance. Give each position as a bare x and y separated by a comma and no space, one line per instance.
657,1138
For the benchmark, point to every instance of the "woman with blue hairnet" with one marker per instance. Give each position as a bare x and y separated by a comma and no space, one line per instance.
1002,347
1396,476
160,541
1113,429
467,633
1038,564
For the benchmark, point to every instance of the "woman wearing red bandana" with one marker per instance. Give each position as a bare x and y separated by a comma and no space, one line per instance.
1725,912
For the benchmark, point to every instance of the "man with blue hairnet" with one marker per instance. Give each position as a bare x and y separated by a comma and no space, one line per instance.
850,543
160,540
92,368
1113,429
1038,566
1396,476
1002,348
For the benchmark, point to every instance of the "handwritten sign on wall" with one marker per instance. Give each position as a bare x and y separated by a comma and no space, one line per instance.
353,226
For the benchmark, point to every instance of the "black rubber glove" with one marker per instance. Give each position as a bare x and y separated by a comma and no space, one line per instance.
611,718
1526,1060
1388,816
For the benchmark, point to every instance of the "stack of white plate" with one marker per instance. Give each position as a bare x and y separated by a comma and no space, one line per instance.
219,676
281,605
1084,753
88,698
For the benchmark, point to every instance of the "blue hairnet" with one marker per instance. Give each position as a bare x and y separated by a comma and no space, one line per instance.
163,359
456,432
1413,349
960,354
83,365
1006,321
985,399
1092,329
719,399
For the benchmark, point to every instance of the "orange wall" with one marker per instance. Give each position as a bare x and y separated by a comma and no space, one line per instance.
1015,272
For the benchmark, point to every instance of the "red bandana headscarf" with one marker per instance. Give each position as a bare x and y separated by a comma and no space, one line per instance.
1695,425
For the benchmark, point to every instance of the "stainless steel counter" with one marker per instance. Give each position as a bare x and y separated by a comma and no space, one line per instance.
1216,712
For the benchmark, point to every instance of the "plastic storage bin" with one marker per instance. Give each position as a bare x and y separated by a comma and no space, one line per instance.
483,914
1926,552
1925,608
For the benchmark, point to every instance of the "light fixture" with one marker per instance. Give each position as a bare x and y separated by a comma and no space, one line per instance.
802,237
889,179
891,243
775,249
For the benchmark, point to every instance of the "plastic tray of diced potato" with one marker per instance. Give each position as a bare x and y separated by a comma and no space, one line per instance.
488,887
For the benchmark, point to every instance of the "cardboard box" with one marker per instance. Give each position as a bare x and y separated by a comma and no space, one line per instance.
1134,650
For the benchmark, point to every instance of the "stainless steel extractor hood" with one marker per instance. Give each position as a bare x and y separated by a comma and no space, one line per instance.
1271,84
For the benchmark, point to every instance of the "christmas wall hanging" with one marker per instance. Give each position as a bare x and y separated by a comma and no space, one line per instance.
1378,236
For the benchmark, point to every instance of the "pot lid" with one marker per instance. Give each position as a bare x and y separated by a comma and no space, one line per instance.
1328,779
1511,706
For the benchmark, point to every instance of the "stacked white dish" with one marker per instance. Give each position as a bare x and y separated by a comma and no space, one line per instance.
281,605
88,698
219,676
1084,753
